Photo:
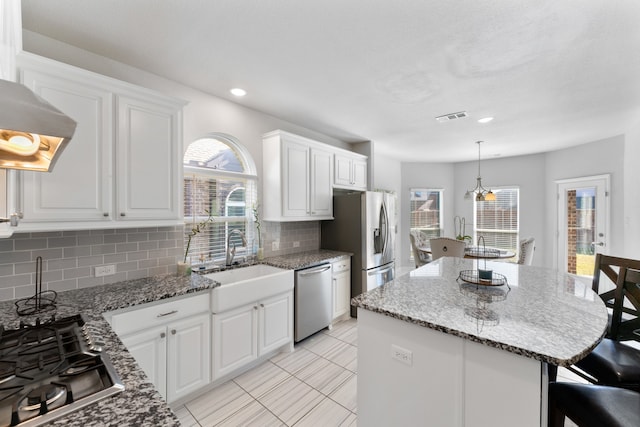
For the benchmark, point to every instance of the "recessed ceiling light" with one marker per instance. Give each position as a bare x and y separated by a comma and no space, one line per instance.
238,92
485,120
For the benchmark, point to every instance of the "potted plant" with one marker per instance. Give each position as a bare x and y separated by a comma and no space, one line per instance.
460,228
256,221
184,267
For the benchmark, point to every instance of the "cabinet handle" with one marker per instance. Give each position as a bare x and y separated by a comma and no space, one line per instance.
167,314
173,332
255,307
262,305
105,214
162,335
122,214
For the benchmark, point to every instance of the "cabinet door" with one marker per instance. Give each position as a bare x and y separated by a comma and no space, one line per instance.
275,323
149,348
343,167
147,148
295,179
321,190
79,187
189,356
234,339
359,174
341,293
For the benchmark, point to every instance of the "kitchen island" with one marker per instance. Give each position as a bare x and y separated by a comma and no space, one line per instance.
436,350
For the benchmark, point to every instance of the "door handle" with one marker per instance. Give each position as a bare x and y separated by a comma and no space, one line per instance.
374,273
315,271
597,243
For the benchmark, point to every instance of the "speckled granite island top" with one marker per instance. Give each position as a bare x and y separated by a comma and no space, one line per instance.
545,315
139,404
305,259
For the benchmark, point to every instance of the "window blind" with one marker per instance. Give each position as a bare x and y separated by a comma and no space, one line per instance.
229,197
497,221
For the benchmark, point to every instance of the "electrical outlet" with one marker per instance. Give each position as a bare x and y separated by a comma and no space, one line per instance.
105,270
402,354
296,244
275,246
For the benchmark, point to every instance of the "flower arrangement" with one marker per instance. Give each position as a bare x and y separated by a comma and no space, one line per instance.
460,228
256,221
197,229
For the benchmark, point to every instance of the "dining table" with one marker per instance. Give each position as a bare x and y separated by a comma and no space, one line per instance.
479,252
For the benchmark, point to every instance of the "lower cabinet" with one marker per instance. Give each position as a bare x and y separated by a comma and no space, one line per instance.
341,281
243,334
171,344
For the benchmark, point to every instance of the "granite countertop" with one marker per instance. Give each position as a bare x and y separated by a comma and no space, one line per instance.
543,314
305,259
139,404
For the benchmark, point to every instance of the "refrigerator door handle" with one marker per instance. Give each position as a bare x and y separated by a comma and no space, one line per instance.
376,272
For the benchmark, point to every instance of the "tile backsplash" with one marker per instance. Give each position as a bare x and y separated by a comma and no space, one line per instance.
70,257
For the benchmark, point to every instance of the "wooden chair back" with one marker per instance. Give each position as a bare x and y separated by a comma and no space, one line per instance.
624,299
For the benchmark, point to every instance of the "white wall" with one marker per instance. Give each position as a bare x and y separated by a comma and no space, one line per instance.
631,220
596,158
535,175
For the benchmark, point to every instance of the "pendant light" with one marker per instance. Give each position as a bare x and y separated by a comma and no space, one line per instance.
481,193
33,133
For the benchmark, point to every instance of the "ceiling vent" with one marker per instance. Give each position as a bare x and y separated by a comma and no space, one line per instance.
452,116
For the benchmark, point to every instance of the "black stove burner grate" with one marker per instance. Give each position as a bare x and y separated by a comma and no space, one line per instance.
50,369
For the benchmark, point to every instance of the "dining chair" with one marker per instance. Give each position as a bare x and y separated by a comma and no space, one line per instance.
589,405
445,246
527,248
612,362
420,258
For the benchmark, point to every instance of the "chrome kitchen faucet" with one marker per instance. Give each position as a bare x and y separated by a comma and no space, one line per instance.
232,252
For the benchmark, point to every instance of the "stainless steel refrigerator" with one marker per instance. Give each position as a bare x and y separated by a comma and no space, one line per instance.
364,223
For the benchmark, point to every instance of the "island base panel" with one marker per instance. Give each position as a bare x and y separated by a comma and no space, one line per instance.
446,380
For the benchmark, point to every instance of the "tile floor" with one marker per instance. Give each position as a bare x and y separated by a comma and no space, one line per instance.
315,385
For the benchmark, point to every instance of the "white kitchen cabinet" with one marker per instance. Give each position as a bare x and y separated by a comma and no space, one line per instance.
170,341
148,158
297,178
122,168
341,278
350,171
243,334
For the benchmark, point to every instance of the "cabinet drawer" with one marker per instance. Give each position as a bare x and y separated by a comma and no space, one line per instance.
148,315
341,265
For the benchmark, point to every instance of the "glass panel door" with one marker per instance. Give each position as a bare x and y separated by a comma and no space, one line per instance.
583,206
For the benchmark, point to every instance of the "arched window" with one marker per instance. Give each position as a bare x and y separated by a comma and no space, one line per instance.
219,180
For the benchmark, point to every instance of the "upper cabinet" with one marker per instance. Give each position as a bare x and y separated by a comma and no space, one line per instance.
300,174
122,168
297,178
350,171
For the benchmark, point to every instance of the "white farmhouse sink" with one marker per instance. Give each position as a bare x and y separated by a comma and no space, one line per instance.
246,285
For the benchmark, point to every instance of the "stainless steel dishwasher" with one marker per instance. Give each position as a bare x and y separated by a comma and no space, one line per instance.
312,296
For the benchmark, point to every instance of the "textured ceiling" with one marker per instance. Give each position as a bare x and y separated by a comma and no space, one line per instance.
553,73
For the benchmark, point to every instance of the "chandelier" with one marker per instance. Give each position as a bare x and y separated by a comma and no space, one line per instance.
481,193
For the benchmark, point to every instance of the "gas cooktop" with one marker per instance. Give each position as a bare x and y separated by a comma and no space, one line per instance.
52,368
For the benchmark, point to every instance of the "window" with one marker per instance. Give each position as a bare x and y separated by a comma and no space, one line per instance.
220,178
426,213
497,222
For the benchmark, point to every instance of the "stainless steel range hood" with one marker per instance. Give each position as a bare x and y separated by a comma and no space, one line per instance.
33,133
